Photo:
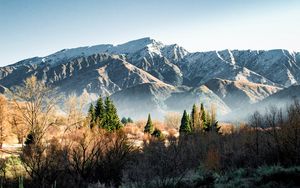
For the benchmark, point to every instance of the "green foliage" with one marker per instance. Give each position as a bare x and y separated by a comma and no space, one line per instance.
149,128
129,120
203,115
185,126
157,133
105,115
99,112
91,113
213,127
111,120
124,120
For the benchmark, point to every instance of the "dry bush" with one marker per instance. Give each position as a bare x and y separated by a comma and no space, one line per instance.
3,117
172,120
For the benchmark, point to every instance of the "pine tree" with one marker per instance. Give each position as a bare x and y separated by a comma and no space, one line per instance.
110,120
91,113
99,112
149,128
185,126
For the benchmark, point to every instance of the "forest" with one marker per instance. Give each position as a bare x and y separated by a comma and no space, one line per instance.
47,140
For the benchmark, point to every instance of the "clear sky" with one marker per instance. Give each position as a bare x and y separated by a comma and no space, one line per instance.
38,27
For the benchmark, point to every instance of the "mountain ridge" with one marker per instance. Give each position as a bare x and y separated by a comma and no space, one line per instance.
106,69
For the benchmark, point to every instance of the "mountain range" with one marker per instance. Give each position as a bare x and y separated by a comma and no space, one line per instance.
146,76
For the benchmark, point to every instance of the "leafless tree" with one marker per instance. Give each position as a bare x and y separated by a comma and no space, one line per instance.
34,103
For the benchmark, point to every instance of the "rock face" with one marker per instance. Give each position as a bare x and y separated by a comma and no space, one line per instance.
238,93
145,75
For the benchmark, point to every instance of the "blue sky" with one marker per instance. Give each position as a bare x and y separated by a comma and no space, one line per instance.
38,27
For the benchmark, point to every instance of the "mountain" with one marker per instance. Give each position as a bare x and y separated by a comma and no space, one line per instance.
145,74
239,93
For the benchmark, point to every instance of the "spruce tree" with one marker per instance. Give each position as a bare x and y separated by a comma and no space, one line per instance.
149,128
99,112
91,113
185,126
111,120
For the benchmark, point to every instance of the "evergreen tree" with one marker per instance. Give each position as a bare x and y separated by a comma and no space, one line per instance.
149,128
185,126
110,120
124,120
91,113
213,127
157,133
99,112
129,120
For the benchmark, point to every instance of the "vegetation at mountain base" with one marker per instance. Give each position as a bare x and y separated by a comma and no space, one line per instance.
97,149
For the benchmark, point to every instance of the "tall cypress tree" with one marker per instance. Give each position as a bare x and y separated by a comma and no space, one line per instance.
111,119
185,126
149,128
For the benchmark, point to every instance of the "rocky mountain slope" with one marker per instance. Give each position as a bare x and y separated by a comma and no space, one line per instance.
146,75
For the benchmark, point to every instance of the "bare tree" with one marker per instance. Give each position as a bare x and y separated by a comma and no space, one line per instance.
172,120
35,103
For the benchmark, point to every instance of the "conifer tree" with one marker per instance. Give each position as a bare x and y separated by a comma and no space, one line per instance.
99,112
124,120
185,126
91,113
110,120
149,128
157,133
129,120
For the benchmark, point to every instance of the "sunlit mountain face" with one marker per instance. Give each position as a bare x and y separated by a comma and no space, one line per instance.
145,75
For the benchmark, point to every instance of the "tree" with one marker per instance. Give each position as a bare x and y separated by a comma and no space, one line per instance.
18,128
149,128
172,120
157,133
195,118
35,103
129,120
124,120
213,127
91,114
203,115
2,120
111,120
74,106
99,112
185,126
